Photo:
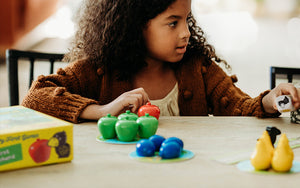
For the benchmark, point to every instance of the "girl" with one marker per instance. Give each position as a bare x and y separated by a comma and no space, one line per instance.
127,52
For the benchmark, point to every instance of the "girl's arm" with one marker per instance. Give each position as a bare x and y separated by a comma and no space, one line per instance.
65,94
73,93
129,100
227,99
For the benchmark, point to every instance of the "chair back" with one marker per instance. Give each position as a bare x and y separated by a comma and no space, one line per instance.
285,73
12,59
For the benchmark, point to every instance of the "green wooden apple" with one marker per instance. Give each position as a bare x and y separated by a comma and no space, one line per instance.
126,129
106,126
129,115
147,126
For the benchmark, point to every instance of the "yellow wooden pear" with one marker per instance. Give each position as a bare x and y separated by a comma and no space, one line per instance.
267,140
261,158
283,155
263,153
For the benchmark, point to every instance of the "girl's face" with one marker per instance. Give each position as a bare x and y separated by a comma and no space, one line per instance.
167,35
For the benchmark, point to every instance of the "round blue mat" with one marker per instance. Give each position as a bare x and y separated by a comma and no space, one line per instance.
116,141
185,155
247,167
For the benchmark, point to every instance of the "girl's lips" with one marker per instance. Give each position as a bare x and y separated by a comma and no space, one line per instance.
181,50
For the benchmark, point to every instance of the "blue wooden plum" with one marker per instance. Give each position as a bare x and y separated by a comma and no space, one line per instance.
170,150
174,139
157,141
145,148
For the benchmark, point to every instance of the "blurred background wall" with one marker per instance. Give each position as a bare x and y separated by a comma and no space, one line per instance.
252,35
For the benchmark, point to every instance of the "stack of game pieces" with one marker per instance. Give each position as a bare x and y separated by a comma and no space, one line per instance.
295,116
284,104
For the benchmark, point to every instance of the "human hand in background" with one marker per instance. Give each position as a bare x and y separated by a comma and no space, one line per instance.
269,101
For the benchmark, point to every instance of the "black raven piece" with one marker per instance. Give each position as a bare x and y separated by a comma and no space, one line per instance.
273,132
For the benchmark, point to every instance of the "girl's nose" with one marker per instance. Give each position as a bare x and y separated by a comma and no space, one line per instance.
185,33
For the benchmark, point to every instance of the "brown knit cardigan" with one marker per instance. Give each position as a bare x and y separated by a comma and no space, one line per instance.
203,90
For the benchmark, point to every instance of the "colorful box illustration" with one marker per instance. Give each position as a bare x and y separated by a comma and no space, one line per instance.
29,138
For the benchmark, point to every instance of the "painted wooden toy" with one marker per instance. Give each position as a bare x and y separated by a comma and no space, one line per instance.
106,126
295,116
284,103
128,115
126,129
152,110
147,126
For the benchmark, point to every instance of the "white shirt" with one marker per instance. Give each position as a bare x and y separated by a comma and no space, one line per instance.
169,104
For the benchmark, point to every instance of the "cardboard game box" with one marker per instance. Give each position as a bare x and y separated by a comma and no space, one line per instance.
29,138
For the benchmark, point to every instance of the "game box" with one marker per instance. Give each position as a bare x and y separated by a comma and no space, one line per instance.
29,138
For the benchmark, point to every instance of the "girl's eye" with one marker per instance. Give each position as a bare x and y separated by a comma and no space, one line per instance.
173,24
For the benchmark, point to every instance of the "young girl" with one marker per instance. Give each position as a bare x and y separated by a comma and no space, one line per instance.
127,52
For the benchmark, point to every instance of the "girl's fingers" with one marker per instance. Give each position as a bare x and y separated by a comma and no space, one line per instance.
134,101
131,100
141,91
296,98
290,89
137,101
294,92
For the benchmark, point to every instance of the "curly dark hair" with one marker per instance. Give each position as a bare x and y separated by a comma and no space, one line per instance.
110,33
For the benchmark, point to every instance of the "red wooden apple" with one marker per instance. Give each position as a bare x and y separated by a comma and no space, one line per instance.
152,110
40,151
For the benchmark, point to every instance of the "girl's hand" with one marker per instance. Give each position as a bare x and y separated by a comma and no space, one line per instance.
132,100
282,89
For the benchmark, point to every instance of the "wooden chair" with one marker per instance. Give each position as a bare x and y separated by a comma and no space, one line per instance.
287,73
12,59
